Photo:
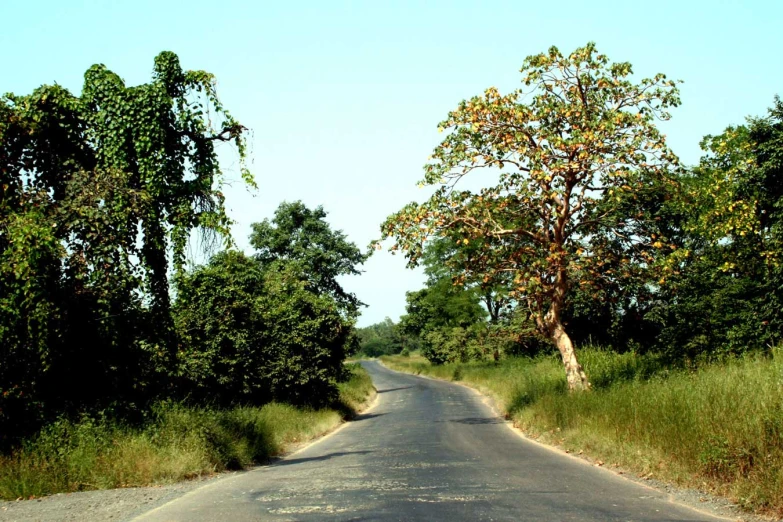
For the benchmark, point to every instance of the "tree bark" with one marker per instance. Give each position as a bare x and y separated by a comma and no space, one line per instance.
493,308
575,375
552,326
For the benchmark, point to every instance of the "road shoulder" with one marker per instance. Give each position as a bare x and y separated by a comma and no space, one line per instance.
111,505
694,499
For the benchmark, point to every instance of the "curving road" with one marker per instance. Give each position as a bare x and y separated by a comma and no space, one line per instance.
427,450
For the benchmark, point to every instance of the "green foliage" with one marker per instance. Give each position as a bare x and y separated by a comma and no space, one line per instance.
445,318
449,344
441,304
97,193
442,259
384,338
252,333
298,234
725,296
175,442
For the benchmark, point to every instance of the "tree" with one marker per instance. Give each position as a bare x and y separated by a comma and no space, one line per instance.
766,134
301,235
251,335
726,295
441,303
444,259
573,151
97,193
384,338
443,316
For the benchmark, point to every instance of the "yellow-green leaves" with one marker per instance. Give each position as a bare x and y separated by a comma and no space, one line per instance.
573,152
720,188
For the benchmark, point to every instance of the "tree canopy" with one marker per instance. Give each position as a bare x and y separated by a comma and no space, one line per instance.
251,334
301,235
573,151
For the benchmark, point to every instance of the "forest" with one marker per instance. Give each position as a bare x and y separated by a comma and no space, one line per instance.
124,364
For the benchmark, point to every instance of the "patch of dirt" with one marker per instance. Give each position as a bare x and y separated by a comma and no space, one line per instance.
96,506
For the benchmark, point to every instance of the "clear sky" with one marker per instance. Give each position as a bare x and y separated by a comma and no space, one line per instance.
344,98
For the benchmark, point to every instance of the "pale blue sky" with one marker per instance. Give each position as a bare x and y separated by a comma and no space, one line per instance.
344,98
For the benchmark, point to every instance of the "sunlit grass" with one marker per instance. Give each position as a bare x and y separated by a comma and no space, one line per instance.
179,442
719,427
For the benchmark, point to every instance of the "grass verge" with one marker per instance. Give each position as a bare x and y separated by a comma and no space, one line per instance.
178,443
717,428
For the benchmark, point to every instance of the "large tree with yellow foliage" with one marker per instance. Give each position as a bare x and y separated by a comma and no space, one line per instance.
574,168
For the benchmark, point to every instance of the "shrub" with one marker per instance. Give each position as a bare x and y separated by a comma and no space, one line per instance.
253,335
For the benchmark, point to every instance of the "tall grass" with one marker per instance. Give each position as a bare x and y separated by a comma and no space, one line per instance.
718,427
178,442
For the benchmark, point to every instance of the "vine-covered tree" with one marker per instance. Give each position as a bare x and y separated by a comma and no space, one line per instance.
572,152
97,193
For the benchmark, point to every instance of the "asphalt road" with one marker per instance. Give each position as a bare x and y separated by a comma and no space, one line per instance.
427,450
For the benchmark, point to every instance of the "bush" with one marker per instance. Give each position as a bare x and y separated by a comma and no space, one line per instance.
447,345
175,442
253,335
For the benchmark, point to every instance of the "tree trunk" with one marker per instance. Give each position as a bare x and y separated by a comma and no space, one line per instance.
493,308
575,375
552,326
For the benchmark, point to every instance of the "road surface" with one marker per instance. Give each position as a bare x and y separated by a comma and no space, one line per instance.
427,450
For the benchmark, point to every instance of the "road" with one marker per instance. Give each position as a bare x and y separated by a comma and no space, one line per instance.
427,450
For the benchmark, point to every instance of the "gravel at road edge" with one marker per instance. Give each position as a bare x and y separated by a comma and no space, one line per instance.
112,505
97,506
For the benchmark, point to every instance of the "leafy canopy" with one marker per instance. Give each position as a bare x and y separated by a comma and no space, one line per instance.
254,335
570,152
138,163
301,235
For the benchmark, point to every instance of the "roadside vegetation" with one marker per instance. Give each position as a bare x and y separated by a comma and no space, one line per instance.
121,363
657,284
589,232
175,442
716,427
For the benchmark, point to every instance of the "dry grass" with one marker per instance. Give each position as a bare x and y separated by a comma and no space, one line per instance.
719,427
178,443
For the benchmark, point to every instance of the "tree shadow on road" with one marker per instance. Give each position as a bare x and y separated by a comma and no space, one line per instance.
476,420
366,416
328,456
395,389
